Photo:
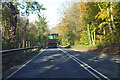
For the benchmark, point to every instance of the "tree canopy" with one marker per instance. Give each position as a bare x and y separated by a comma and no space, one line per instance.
17,32
91,23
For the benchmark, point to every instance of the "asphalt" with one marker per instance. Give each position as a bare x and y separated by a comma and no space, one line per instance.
54,63
103,65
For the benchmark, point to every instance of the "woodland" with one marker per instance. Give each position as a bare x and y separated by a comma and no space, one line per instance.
84,23
90,23
17,31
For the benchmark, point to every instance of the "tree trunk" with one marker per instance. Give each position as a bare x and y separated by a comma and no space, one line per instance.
23,45
104,31
113,24
13,20
88,29
99,7
94,38
110,28
28,43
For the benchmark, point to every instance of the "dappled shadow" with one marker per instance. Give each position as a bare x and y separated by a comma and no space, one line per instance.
96,59
103,65
13,59
52,63
109,53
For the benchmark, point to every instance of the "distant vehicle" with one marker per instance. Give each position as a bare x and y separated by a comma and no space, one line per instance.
52,40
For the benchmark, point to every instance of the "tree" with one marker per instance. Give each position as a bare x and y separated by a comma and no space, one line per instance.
93,22
42,25
15,29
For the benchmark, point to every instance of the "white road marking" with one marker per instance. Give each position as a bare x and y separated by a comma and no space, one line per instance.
85,66
24,64
98,57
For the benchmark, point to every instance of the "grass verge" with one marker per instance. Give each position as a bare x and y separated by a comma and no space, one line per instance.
16,58
83,47
109,51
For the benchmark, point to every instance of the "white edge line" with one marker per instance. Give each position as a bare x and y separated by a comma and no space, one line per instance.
87,65
91,68
97,56
24,65
81,65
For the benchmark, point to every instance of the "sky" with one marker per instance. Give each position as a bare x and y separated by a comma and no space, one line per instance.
53,7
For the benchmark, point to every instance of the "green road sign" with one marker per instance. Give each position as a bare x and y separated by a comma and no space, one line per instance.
50,37
55,36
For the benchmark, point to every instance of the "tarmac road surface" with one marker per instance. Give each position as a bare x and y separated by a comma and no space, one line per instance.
66,63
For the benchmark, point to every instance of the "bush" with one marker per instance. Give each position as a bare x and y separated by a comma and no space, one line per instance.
84,38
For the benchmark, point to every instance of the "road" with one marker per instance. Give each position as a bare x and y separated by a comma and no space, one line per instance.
66,63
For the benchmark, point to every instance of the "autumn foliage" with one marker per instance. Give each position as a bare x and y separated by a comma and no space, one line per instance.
91,23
